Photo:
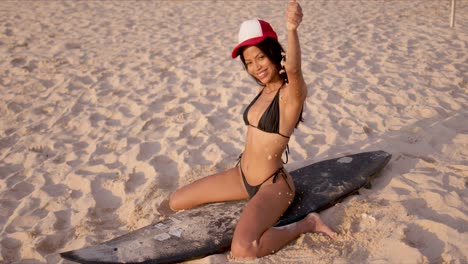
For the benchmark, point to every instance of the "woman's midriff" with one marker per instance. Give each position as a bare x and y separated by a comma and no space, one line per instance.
262,155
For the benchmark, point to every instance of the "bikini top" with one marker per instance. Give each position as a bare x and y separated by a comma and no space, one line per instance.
270,120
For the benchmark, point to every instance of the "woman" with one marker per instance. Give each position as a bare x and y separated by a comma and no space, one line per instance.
270,118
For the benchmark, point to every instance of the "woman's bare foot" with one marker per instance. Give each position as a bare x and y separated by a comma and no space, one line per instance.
315,224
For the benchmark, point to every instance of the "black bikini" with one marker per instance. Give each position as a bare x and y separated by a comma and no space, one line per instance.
269,122
253,189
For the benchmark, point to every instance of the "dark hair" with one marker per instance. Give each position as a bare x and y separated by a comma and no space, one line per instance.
274,51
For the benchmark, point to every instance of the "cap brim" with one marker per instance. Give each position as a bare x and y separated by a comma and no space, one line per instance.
249,42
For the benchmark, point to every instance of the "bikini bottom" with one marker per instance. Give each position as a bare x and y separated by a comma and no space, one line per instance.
253,189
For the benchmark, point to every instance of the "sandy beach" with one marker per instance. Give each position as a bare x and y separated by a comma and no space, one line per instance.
106,107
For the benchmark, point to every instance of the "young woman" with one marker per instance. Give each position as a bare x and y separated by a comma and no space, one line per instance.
270,118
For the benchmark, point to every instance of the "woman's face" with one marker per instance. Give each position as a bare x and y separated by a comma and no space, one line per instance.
259,65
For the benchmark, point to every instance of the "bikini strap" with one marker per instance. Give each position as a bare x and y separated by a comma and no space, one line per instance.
239,159
283,174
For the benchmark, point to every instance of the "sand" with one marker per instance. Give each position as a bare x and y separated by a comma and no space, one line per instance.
106,107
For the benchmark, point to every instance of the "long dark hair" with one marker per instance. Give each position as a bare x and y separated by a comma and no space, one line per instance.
275,52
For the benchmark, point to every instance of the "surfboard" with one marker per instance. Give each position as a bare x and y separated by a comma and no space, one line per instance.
209,229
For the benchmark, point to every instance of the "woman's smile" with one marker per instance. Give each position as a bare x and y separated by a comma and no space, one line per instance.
262,74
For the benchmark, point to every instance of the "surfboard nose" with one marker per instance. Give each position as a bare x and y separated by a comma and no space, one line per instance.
382,156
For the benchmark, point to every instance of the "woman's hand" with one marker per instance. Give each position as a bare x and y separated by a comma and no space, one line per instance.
293,15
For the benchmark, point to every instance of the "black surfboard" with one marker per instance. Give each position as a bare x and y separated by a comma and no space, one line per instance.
209,229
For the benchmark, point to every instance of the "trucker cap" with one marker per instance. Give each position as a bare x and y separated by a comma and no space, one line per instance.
252,32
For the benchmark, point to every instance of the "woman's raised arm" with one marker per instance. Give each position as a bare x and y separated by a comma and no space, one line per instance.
296,87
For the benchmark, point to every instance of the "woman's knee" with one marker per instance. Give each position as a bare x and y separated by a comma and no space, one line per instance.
244,249
174,202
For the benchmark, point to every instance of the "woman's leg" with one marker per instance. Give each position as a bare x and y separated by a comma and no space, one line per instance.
255,235
219,187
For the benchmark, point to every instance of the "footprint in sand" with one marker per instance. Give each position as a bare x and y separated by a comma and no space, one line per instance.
11,249
56,190
16,107
425,241
52,243
166,169
72,45
135,180
104,198
18,62
148,150
152,124
63,218
43,151
20,190
8,142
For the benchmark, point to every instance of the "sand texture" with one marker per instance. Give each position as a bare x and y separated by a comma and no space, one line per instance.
106,107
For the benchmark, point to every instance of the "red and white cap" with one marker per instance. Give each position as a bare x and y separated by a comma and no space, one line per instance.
252,32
